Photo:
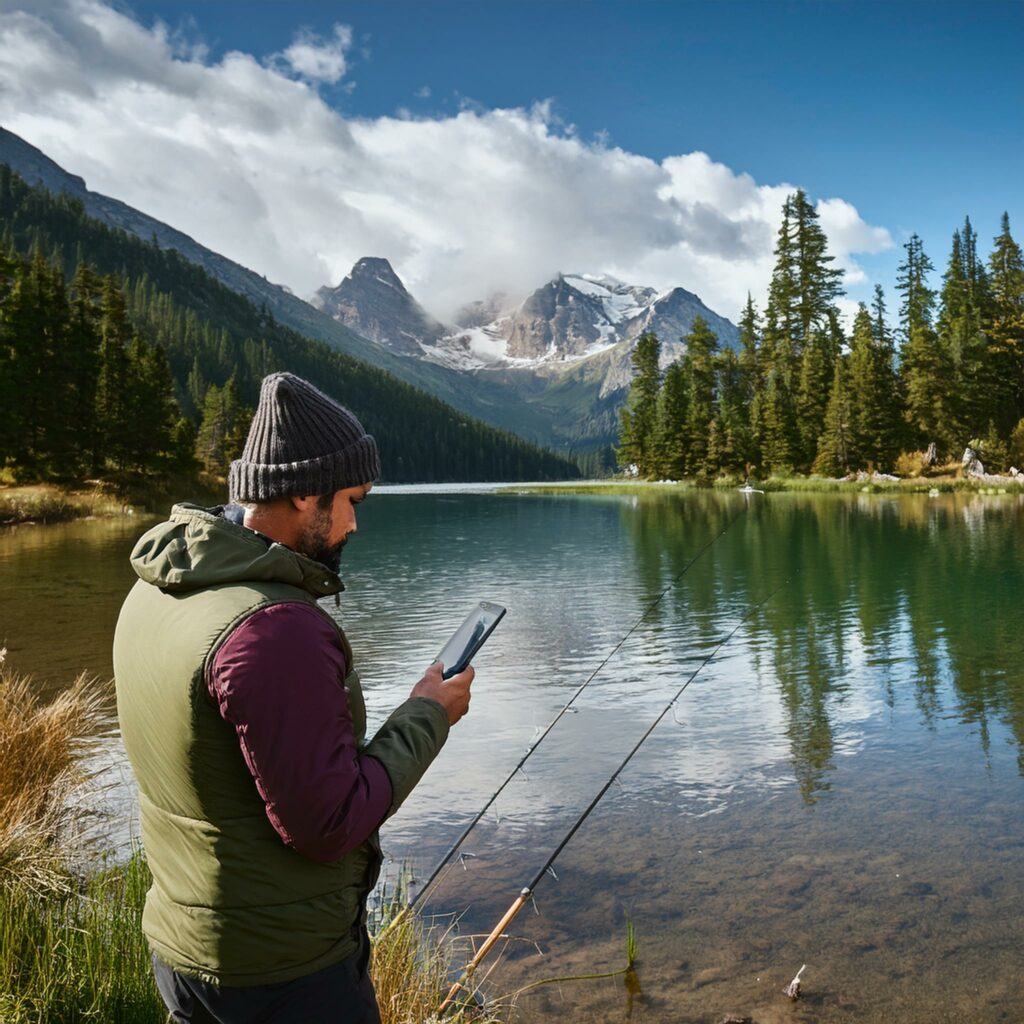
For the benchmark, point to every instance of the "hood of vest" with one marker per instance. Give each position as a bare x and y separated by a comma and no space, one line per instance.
197,547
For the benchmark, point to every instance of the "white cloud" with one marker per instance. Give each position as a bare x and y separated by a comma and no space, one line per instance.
249,159
422,93
317,59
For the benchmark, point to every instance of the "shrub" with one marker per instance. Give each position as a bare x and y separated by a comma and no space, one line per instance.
910,464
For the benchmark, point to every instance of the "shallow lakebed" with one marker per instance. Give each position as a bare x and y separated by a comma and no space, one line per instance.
841,786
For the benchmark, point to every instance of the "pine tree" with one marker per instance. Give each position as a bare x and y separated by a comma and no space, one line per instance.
801,307
151,407
835,446
917,305
221,435
819,283
84,333
1006,330
782,313
924,367
875,420
638,418
812,396
729,440
750,381
672,436
891,399
964,305
699,363
779,441
9,420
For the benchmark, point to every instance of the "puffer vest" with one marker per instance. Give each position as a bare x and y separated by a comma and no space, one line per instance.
230,903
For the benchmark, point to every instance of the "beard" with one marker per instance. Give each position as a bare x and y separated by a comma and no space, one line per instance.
313,543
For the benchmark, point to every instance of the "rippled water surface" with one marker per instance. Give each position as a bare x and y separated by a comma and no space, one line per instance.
841,786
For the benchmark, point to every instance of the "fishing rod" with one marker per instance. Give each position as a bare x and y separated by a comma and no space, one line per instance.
527,892
454,848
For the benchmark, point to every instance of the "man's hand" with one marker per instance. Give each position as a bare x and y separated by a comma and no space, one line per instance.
452,694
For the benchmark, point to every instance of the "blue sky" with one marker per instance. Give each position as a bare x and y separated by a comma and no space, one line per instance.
911,112
908,115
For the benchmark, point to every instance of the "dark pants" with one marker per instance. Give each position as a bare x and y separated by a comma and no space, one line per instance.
339,994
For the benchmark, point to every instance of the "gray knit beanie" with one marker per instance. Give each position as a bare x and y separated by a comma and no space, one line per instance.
301,443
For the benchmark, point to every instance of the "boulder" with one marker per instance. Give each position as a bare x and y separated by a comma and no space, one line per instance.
971,464
931,456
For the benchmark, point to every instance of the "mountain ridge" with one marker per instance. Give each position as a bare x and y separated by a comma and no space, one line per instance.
568,400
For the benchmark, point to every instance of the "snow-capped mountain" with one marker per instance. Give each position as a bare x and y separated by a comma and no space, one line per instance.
372,301
571,318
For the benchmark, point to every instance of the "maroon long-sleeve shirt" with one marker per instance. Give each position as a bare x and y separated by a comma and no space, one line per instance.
278,679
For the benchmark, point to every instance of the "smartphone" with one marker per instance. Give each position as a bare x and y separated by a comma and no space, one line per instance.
469,638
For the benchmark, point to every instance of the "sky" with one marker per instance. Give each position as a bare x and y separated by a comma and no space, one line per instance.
485,147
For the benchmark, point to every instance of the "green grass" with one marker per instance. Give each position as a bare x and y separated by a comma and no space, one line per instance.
78,955
914,485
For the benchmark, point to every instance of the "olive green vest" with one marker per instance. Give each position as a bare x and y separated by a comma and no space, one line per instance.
230,902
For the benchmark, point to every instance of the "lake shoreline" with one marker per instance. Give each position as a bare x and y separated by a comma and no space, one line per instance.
790,484
47,504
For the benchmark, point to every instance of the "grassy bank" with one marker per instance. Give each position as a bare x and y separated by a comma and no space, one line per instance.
48,503
869,485
71,945
55,503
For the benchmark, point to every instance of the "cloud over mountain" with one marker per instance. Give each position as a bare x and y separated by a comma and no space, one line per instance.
247,157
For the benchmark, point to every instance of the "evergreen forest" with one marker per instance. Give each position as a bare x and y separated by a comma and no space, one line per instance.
123,361
803,395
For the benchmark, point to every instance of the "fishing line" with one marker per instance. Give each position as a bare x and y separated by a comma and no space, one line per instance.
454,848
527,891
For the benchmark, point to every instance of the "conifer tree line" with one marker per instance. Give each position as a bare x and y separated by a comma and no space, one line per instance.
119,359
83,395
802,395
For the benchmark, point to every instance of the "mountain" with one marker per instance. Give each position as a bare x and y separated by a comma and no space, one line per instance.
575,333
577,316
211,335
553,368
473,397
373,302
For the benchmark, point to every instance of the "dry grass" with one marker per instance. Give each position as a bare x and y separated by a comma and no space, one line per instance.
47,503
39,767
412,968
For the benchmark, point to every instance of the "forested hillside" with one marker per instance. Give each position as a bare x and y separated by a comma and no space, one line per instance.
803,395
116,355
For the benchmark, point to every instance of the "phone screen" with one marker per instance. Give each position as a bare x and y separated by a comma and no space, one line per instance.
469,637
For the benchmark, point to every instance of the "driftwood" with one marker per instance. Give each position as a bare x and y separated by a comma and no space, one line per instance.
793,988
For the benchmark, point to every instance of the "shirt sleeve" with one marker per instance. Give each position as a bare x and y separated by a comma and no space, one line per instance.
278,679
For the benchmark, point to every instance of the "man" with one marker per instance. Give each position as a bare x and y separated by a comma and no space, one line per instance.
243,718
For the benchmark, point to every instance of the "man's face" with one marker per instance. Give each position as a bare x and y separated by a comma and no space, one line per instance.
329,521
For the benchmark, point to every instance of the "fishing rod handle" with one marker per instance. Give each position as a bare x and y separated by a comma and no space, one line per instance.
486,946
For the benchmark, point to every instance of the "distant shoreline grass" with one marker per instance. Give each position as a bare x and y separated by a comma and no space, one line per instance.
46,503
870,485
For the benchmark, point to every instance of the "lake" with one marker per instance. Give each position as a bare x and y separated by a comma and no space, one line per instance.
842,786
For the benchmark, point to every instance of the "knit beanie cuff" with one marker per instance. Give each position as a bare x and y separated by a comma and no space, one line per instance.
359,463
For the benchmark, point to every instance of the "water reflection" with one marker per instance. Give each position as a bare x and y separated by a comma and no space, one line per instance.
912,598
